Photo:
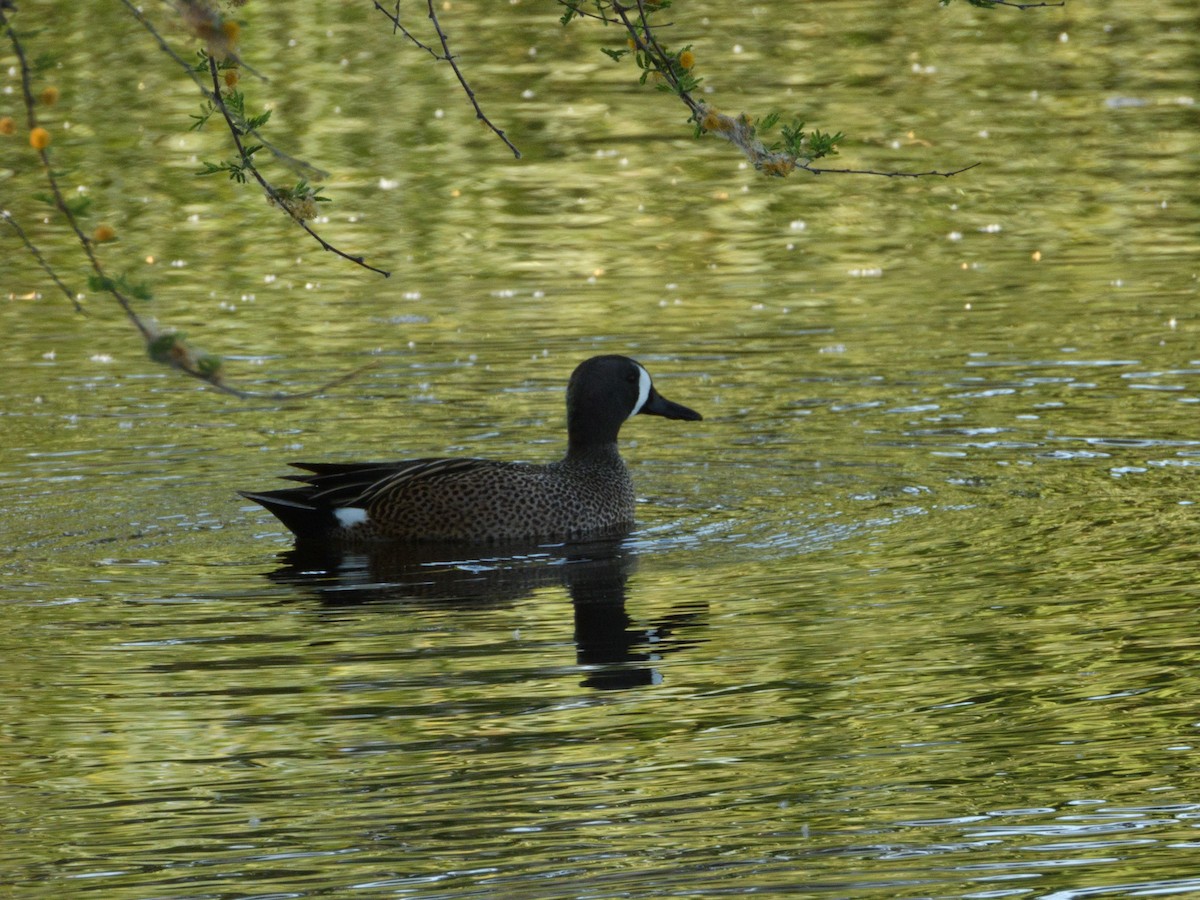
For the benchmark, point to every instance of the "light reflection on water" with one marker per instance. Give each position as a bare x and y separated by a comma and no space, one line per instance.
881,637
908,615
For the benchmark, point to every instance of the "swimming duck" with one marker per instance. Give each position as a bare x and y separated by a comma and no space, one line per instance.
587,492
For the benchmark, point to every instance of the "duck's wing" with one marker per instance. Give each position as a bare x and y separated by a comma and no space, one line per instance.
312,511
357,484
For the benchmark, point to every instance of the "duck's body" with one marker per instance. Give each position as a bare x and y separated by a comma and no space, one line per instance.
588,492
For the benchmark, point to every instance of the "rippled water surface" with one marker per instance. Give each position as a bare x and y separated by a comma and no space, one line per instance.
911,613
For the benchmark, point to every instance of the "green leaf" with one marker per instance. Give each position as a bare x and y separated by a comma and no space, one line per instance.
822,144
78,206
160,348
139,291
767,122
571,13
258,121
206,111
43,62
120,284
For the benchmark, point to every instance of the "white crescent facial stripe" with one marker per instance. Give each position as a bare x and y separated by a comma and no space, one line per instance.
643,391
349,516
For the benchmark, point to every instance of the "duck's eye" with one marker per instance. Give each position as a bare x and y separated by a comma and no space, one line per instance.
632,377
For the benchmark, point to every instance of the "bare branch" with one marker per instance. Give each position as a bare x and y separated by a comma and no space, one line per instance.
818,171
37,254
447,56
1026,5
397,26
574,10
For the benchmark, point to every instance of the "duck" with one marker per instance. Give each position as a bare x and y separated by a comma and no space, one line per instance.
587,493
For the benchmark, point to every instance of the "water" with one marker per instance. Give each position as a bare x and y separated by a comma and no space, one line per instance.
909,614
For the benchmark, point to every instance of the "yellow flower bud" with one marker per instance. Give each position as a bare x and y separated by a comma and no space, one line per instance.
39,139
712,121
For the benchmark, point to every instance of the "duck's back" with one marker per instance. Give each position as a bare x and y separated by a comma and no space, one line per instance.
485,500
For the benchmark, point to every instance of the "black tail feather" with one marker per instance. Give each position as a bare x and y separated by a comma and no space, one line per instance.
291,507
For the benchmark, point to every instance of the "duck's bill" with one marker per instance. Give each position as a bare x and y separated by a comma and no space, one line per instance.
658,405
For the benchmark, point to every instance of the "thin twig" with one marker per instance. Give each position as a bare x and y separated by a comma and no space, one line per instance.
817,171
599,16
321,389
397,26
447,56
1027,5
31,116
665,66
60,202
37,254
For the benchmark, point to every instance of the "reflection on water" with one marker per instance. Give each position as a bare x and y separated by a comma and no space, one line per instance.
913,612
613,652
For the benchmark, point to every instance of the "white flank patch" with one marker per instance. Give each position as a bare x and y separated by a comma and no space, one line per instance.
643,391
349,516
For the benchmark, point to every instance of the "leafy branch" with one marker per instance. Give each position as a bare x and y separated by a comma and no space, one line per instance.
220,62
204,24
245,165
163,345
672,71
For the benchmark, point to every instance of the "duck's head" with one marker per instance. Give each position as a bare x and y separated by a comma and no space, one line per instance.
604,391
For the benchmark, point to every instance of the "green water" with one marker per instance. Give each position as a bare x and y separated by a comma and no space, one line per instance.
911,613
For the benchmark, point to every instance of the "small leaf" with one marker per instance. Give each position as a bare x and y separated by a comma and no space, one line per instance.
78,206
160,348
139,292
767,122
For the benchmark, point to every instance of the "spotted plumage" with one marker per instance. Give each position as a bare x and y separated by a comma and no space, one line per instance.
588,492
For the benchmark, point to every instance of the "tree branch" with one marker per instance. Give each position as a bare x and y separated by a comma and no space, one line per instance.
164,346
447,56
276,197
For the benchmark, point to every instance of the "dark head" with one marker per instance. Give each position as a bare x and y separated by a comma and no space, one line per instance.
604,391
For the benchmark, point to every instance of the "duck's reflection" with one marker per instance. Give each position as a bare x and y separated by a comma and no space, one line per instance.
612,650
